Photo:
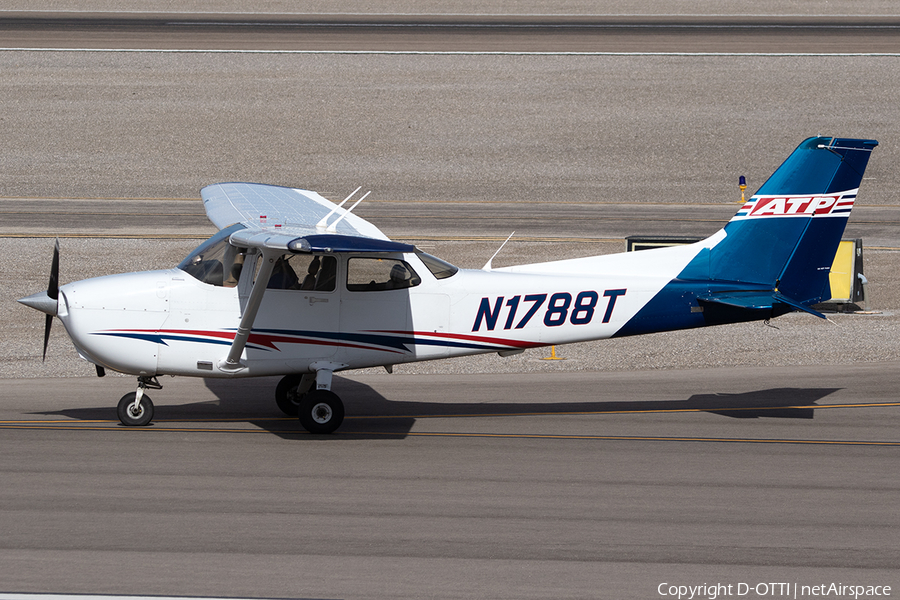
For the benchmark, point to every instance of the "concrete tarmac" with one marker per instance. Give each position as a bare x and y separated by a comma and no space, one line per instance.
449,32
518,486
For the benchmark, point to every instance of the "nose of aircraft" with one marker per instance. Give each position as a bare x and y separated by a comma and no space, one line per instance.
42,302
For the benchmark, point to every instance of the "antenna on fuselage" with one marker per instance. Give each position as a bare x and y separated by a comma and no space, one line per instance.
321,225
333,227
487,265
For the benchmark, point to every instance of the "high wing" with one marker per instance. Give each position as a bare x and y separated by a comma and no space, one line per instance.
282,218
275,219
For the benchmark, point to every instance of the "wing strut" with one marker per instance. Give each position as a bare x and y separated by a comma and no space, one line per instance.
232,363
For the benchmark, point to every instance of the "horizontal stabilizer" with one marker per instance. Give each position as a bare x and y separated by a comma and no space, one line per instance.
757,301
748,301
802,307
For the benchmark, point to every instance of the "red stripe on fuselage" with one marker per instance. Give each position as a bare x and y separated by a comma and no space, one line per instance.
468,338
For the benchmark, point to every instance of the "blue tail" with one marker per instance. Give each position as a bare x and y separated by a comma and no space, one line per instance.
775,255
786,236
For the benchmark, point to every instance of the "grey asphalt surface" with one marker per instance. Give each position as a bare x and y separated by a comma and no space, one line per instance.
623,482
451,33
599,476
840,8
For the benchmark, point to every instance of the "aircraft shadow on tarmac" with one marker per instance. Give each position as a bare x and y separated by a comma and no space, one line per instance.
371,415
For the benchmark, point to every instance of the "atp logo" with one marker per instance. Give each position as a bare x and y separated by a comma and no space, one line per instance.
799,206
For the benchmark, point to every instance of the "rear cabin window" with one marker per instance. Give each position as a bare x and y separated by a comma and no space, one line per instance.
378,274
303,272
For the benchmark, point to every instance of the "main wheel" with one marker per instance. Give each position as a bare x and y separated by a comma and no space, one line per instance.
135,418
321,411
286,395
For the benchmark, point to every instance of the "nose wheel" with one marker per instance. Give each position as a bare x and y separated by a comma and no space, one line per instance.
134,412
136,409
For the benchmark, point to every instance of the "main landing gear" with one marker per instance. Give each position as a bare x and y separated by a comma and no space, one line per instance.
320,410
136,409
306,396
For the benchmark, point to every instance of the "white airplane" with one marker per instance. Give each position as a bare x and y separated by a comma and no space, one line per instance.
294,285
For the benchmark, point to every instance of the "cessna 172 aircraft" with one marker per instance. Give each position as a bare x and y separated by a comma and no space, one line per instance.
294,285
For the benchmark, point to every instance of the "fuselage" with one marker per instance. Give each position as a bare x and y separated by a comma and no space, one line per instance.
171,322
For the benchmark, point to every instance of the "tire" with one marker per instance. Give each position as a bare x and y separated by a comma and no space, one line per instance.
127,417
321,411
286,396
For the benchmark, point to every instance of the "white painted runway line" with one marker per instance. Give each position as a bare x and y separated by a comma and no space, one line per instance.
458,52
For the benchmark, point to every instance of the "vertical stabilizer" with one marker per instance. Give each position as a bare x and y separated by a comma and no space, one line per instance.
787,234
775,254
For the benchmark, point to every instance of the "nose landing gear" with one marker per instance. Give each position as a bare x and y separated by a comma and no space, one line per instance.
136,409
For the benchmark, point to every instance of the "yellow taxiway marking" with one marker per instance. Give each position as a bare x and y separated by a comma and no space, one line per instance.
638,438
451,434
641,438
74,423
115,427
101,213
631,411
418,238
400,201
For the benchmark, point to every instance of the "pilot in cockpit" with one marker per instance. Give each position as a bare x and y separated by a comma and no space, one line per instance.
399,278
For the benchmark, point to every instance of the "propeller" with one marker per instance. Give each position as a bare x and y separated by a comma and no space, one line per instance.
53,293
47,302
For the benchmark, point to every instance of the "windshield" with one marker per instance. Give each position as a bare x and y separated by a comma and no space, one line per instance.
441,269
215,261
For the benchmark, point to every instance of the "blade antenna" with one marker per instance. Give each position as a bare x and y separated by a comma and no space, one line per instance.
321,225
333,227
487,266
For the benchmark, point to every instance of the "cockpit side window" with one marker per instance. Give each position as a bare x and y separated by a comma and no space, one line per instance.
215,261
377,274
